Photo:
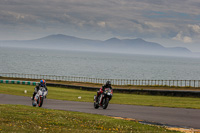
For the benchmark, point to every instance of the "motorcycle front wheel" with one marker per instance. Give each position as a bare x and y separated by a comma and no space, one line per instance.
105,103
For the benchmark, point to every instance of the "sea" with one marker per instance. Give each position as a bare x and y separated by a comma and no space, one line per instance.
98,64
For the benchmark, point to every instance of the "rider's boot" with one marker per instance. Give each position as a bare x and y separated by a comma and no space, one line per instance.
33,95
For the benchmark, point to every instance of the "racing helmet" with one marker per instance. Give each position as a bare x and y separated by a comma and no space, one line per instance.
42,82
108,83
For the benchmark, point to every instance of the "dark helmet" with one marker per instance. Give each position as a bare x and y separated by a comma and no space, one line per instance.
42,82
108,83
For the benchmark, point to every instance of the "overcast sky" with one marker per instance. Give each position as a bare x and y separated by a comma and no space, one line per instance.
168,22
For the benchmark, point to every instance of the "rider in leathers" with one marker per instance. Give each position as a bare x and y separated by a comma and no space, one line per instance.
41,84
101,90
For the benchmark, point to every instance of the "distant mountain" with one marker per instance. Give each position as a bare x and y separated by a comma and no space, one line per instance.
135,46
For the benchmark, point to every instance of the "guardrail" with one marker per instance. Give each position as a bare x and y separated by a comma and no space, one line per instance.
174,83
178,93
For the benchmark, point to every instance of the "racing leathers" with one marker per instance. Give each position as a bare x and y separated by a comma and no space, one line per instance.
101,90
37,88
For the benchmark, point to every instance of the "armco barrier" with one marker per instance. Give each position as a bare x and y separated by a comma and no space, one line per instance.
178,93
19,82
73,86
136,82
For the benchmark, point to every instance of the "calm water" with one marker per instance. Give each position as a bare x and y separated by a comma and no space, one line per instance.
97,65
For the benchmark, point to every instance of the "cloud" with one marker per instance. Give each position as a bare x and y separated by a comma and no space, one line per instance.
105,18
187,39
102,24
195,28
181,37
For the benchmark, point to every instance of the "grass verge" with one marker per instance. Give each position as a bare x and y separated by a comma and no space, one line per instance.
20,118
118,98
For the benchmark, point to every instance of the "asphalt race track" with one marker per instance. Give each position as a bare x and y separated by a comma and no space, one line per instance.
179,117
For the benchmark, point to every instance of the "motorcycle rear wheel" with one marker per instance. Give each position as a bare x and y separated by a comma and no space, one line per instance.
96,106
40,102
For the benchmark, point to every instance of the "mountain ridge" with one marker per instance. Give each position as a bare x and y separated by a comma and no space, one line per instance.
60,41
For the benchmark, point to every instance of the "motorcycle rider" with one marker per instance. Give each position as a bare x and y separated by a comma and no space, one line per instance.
101,90
41,84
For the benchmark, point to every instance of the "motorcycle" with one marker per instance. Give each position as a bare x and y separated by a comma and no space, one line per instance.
103,99
39,97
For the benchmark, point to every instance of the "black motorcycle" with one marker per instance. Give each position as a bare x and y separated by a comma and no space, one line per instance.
103,99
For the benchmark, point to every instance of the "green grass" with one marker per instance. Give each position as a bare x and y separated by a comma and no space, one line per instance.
118,98
27,119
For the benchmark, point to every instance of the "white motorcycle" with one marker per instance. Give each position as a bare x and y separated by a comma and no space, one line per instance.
39,97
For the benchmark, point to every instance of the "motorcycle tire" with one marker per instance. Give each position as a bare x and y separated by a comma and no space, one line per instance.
105,104
40,102
96,106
